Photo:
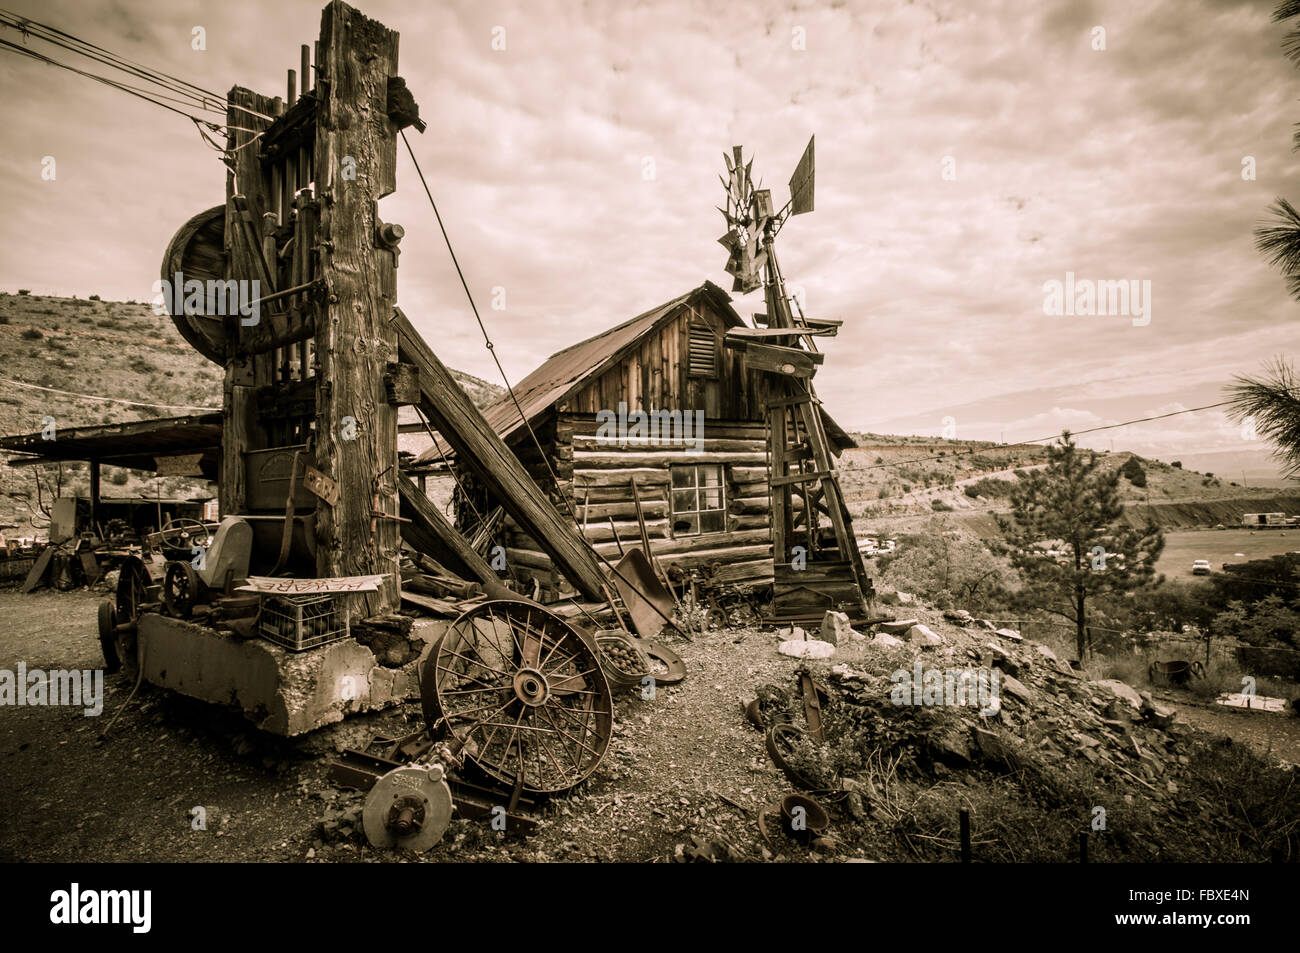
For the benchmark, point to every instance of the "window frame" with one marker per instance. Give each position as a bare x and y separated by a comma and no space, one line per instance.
696,488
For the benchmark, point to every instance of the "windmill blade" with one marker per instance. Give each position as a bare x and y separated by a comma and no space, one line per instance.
801,183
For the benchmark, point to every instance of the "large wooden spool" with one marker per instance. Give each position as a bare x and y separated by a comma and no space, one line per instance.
197,251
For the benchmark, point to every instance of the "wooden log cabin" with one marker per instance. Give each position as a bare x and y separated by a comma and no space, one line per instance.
654,410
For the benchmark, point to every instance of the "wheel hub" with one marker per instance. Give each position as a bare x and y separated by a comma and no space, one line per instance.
531,687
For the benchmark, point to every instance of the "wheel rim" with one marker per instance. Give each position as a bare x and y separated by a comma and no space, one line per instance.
524,695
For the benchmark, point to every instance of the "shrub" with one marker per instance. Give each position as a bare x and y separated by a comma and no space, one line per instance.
939,506
1133,472
32,334
118,478
24,291
1177,463
94,297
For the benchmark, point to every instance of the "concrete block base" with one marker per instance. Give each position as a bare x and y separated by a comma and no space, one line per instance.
283,692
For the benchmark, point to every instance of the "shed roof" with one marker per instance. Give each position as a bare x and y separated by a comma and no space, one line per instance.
136,444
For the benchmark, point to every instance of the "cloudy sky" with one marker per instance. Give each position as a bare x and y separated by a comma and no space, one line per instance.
1122,163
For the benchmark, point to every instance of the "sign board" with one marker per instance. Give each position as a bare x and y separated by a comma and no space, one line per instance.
185,464
302,587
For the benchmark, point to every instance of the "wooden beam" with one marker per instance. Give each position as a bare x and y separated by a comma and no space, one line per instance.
482,452
356,427
431,533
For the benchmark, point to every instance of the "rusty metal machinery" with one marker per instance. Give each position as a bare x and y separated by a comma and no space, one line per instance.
520,695
408,807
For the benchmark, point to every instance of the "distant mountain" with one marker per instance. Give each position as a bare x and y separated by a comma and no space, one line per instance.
1258,463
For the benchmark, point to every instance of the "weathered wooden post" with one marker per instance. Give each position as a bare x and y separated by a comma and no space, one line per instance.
356,427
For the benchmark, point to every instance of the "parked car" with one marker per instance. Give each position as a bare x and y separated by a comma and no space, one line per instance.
1201,567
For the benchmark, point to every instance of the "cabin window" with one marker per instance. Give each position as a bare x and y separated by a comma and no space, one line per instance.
703,350
699,500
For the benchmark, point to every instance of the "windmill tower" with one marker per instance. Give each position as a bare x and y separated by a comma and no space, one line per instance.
815,556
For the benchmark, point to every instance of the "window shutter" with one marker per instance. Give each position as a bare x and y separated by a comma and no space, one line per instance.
703,350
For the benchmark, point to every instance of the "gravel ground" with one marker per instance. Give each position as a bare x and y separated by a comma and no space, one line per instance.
70,797
685,771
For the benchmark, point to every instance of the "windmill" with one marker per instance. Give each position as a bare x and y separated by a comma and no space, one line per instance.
816,563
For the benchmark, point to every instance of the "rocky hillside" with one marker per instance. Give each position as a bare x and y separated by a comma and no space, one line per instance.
892,483
60,357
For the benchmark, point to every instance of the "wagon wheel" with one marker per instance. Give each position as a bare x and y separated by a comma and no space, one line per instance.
108,636
133,584
522,693
180,589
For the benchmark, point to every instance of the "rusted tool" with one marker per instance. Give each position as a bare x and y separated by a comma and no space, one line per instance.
812,706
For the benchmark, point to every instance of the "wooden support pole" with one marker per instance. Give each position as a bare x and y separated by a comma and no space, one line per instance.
356,427
432,534
482,452
94,493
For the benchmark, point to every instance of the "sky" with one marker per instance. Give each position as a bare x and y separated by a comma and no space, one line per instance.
968,153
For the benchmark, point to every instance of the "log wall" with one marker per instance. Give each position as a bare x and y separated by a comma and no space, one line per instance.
595,489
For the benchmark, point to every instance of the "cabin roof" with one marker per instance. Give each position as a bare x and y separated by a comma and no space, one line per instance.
565,372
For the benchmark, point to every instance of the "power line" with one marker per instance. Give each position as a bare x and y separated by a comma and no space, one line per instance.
487,340
115,400
1036,440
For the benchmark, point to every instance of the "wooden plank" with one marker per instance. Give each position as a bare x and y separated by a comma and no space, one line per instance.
644,476
710,444
40,569
710,542
482,452
431,532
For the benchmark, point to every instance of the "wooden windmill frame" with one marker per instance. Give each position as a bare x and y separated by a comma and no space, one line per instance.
815,567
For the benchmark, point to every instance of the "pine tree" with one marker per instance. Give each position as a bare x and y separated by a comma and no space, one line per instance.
1073,506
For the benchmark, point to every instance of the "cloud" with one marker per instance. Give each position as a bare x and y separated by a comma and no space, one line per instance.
1122,163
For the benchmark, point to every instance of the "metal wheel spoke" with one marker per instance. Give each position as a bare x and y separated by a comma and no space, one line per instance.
524,656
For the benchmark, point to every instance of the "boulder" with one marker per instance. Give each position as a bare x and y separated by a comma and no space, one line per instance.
1011,634
993,747
806,648
951,746
1000,658
886,641
898,626
924,636
1015,688
836,629
1121,690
